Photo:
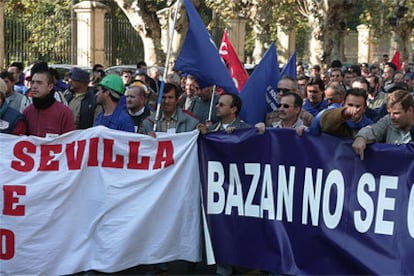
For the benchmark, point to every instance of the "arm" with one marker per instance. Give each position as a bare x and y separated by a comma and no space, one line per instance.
332,122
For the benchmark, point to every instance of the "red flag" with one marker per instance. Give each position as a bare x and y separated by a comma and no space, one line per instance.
235,67
396,60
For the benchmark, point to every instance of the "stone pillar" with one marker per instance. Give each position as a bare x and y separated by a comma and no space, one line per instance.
285,44
2,3
91,32
364,44
237,33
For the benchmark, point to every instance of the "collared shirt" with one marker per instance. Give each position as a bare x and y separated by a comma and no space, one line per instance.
168,125
297,124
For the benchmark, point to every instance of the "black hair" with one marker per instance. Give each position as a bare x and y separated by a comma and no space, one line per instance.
358,92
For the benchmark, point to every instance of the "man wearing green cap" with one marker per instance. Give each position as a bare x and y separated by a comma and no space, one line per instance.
109,92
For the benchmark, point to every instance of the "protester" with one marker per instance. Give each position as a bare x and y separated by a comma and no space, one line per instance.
290,108
347,120
135,103
172,119
46,117
203,107
81,99
285,85
227,110
14,100
16,68
393,128
187,99
110,89
314,101
11,120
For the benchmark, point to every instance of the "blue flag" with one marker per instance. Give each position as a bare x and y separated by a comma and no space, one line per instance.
199,55
259,93
290,67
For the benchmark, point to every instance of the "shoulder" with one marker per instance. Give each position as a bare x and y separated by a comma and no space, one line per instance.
187,114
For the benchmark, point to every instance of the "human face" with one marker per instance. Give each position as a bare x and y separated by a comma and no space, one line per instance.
398,77
336,76
101,95
314,94
373,87
191,87
224,109
205,93
284,86
126,77
401,119
15,71
348,78
40,85
332,97
134,101
387,74
357,103
288,112
169,102
10,85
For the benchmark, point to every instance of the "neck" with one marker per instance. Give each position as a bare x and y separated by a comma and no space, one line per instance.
228,120
288,123
135,110
168,114
109,107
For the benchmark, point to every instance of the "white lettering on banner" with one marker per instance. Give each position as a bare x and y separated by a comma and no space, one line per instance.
235,192
215,180
322,197
311,196
362,225
252,169
334,179
410,212
267,200
285,193
385,203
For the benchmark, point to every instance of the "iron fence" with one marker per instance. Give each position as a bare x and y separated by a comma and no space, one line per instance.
52,41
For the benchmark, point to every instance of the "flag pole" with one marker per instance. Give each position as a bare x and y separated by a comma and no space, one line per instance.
167,59
211,102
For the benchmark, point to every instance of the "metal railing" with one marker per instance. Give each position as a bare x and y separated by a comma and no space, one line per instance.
52,41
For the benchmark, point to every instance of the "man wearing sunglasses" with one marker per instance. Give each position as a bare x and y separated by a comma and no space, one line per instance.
290,107
286,85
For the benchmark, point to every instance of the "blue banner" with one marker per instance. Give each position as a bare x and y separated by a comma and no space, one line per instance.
308,205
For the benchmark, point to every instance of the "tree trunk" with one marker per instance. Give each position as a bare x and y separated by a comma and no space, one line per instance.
147,25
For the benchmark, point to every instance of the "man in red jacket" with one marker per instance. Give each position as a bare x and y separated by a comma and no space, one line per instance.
45,116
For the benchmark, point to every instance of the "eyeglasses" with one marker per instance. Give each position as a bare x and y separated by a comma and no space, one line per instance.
283,105
283,90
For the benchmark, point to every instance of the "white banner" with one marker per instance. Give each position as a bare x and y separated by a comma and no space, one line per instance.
98,199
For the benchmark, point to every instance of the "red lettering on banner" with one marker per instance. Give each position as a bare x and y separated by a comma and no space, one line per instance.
75,161
75,153
165,153
133,162
10,200
93,152
47,162
108,160
6,244
26,162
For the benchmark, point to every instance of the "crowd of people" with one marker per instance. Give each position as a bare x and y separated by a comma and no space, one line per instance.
369,103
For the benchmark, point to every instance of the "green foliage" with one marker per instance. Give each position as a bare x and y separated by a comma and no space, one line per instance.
47,23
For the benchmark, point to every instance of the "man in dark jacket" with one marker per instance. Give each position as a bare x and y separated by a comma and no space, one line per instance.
81,99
